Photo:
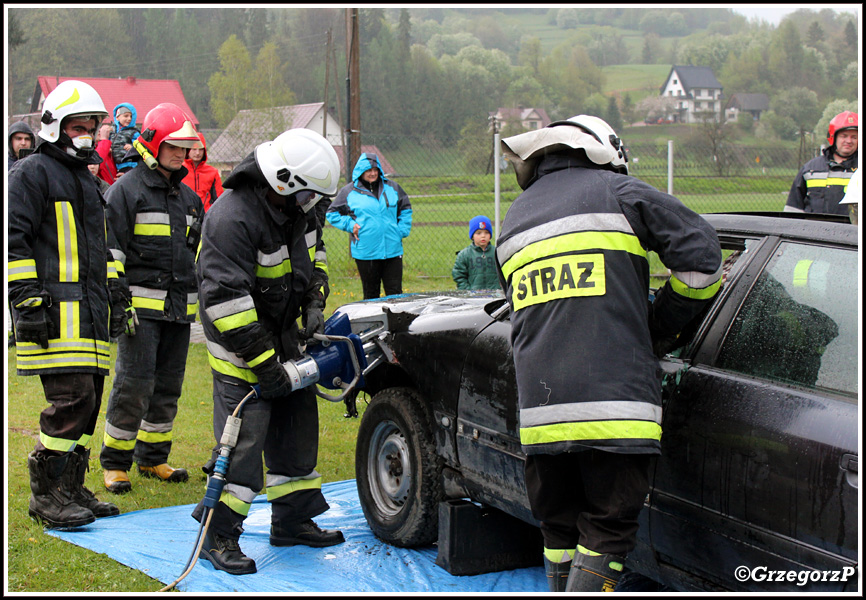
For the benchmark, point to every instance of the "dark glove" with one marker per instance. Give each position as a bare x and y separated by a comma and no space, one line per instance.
665,345
32,326
123,319
274,382
314,322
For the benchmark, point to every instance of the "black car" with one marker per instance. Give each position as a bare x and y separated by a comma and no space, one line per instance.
758,468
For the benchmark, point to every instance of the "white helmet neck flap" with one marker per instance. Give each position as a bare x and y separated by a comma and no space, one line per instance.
590,134
70,98
299,160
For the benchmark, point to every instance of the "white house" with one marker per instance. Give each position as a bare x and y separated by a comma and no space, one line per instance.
527,118
695,90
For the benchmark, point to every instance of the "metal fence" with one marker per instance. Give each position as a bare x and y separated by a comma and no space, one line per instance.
452,181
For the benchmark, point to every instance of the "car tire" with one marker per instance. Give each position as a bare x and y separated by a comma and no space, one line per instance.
397,471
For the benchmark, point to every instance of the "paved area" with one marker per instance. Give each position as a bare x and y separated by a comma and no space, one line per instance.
196,334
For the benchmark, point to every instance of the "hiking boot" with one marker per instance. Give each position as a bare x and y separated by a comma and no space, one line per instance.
165,473
73,482
50,503
116,481
306,533
225,554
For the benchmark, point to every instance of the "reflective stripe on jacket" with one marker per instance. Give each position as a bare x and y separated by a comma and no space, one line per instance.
58,259
149,218
573,259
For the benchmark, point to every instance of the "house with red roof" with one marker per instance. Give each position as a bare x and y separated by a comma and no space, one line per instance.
144,94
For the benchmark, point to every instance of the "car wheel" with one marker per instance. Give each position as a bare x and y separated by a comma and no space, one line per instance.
397,471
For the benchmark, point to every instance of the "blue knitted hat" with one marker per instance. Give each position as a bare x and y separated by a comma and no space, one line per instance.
479,222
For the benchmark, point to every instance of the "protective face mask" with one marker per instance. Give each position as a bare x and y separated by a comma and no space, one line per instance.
83,142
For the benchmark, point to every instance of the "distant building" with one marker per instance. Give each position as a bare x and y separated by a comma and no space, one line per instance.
754,104
525,118
144,94
695,92
252,127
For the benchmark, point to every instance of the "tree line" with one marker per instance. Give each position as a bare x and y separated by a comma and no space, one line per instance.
434,71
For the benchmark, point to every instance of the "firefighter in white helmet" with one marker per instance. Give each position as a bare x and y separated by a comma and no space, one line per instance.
572,258
58,271
262,266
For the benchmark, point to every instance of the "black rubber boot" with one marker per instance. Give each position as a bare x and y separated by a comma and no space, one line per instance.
225,555
557,574
597,573
73,482
306,533
50,503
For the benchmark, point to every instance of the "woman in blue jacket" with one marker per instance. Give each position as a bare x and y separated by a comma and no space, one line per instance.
377,214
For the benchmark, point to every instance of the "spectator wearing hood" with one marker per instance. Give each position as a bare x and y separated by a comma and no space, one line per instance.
125,133
377,214
20,137
204,179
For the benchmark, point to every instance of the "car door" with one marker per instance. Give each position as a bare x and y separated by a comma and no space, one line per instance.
759,448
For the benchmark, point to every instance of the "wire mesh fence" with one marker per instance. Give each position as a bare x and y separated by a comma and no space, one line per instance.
451,181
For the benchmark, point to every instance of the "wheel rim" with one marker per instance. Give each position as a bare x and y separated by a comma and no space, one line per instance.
389,469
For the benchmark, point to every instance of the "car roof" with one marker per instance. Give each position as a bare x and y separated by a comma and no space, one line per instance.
806,226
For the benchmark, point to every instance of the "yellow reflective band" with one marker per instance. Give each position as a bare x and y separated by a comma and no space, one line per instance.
121,269
696,294
21,269
570,276
801,273
284,489
261,358
152,437
587,551
591,430
30,302
574,242
227,368
56,444
67,242
75,97
239,506
151,303
123,445
192,309
155,229
236,320
284,268
815,183
84,440
69,319
555,555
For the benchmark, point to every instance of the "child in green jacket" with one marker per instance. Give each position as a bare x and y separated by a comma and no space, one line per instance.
475,266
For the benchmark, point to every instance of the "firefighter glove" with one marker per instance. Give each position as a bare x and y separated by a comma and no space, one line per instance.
314,322
274,382
32,326
123,318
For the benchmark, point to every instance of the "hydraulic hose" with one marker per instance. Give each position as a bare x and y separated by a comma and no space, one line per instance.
216,482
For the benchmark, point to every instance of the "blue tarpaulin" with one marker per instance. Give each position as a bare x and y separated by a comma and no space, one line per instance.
159,543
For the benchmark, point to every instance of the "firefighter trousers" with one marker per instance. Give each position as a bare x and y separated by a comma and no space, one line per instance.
142,404
70,419
286,431
590,498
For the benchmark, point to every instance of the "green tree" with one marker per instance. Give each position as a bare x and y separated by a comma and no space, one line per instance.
267,82
786,55
530,53
475,145
800,105
612,114
230,87
567,18
832,109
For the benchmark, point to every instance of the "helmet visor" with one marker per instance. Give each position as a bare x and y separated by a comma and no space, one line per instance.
307,199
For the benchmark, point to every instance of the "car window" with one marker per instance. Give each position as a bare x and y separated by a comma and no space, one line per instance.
798,325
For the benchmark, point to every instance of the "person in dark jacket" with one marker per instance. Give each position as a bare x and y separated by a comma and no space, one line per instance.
153,225
201,177
475,265
572,256
20,138
261,267
59,270
377,214
125,134
821,183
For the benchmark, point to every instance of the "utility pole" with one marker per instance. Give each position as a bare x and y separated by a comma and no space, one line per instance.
353,91
327,76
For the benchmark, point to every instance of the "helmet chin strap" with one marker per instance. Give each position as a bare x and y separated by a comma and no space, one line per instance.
65,142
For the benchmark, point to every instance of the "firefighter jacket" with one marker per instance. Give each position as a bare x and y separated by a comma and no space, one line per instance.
259,266
152,224
821,184
383,212
475,268
58,259
573,261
